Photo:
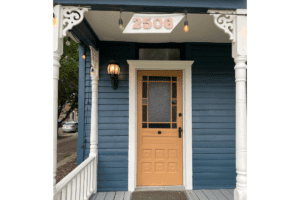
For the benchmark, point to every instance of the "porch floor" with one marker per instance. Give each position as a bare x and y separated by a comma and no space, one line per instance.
217,194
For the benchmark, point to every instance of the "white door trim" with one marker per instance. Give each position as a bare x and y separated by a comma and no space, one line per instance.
186,67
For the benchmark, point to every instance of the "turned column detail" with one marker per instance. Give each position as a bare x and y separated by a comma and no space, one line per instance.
94,111
64,18
240,192
56,66
234,23
94,118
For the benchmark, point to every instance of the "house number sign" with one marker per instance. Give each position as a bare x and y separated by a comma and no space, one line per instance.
153,23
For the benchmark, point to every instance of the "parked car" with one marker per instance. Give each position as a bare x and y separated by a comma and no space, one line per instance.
61,123
70,126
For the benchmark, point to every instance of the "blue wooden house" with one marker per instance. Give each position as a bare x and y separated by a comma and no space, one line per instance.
159,108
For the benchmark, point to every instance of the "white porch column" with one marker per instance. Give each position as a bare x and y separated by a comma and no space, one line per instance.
234,23
239,53
56,65
65,17
94,118
240,192
57,52
94,111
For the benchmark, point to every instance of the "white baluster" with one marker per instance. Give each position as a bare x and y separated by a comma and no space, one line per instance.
59,196
95,174
69,191
74,188
64,193
85,182
92,177
88,180
82,184
78,181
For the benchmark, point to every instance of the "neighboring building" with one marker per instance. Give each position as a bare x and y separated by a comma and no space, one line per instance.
73,116
177,114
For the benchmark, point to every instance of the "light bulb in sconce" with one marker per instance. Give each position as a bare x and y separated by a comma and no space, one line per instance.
121,27
186,26
83,56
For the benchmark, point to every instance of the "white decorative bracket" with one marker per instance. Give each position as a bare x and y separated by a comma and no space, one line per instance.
225,20
72,16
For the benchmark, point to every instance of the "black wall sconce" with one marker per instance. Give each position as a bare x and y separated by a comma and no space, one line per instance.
113,70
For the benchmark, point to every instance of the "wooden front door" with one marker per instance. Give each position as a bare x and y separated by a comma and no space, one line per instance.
159,120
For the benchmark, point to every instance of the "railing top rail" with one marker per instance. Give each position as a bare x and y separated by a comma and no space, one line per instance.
65,181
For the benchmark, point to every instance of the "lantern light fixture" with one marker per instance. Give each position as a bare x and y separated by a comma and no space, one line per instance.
186,24
113,70
68,42
121,27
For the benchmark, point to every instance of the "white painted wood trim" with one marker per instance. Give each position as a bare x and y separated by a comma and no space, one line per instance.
186,67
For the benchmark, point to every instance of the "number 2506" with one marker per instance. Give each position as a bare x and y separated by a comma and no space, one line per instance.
157,23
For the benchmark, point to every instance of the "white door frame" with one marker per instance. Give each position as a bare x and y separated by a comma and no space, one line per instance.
186,67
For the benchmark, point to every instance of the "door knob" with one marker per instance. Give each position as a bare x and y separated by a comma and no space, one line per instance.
159,132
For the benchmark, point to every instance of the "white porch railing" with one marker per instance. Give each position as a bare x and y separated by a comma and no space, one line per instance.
80,184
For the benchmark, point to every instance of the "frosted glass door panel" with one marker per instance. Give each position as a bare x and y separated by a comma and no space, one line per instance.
159,102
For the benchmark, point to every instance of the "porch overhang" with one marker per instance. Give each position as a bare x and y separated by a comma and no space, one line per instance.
166,6
106,14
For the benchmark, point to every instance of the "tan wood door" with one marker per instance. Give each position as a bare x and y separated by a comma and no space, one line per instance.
159,145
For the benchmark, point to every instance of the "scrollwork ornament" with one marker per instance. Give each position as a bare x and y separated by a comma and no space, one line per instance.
72,16
226,22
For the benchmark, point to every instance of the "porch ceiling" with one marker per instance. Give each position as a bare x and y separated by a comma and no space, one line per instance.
202,29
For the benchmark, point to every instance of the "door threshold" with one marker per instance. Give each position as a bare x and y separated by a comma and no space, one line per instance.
160,188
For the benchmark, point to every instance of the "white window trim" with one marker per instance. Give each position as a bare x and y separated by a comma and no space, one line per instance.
186,67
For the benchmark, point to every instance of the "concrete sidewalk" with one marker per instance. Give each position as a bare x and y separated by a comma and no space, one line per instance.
61,133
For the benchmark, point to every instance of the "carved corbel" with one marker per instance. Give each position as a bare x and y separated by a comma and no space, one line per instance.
225,20
72,16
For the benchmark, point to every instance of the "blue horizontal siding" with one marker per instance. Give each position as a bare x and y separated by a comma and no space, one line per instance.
213,137
213,131
217,182
113,184
113,108
213,163
213,115
197,119
212,175
109,170
214,150
209,144
106,177
113,165
209,169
